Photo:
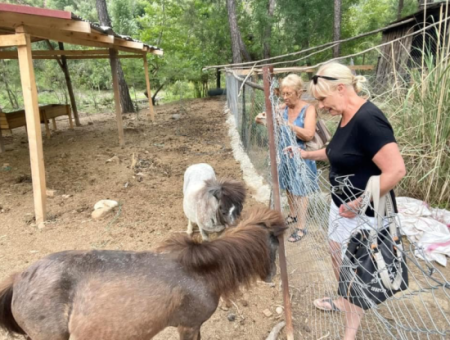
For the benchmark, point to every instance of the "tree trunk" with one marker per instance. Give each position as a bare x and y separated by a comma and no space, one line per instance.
234,32
337,27
73,102
125,100
268,29
400,9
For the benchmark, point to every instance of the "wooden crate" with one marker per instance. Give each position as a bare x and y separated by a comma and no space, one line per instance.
12,120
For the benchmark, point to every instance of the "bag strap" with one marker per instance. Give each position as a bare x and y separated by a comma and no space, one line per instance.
384,205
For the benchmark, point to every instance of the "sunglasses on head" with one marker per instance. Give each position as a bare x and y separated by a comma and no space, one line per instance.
316,77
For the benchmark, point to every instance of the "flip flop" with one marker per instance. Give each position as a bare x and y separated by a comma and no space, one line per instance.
295,236
334,308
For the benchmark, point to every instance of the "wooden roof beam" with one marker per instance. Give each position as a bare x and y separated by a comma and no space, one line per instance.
75,38
14,20
10,40
39,55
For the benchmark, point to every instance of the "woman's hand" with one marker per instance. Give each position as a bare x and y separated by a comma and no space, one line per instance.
350,209
291,149
261,119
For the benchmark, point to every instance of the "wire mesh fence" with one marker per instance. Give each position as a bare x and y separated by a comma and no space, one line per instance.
422,310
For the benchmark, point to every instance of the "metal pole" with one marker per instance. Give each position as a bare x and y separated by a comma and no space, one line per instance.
276,198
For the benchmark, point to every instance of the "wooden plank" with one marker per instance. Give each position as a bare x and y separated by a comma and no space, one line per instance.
50,13
113,63
33,122
129,44
149,93
72,38
9,40
13,20
13,55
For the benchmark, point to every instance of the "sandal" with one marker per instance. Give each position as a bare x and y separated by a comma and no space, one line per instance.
295,236
333,308
290,220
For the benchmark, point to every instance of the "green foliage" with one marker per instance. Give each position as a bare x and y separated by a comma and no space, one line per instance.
195,33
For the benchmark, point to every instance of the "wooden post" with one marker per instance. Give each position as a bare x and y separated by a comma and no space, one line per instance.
69,113
33,122
54,124
113,63
73,103
276,197
218,78
147,81
2,147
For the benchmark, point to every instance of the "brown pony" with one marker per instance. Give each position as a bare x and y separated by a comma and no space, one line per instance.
124,295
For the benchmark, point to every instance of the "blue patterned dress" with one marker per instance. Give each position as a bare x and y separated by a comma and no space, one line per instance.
297,175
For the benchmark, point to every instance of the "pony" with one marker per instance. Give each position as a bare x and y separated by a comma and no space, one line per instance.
209,203
126,295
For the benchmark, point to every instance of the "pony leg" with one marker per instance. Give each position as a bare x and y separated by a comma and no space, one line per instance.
205,236
188,333
190,228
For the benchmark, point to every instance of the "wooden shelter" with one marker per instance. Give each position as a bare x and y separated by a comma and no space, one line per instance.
406,48
20,26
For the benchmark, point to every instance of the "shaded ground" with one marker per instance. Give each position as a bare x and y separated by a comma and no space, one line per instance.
150,196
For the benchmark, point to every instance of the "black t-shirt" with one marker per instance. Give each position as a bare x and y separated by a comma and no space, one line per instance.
352,149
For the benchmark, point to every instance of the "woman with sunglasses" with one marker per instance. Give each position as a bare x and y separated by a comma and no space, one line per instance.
362,146
296,124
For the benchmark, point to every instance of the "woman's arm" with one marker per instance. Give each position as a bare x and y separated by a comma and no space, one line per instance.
389,160
318,155
307,133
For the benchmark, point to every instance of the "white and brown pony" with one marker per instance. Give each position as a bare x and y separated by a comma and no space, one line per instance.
125,295
209,203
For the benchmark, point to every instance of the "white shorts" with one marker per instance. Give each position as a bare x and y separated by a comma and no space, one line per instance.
341,228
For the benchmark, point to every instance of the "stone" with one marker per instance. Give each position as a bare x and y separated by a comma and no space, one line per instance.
176,116
267,313
99,213
103,208
113,159
279,310
50,193
231,317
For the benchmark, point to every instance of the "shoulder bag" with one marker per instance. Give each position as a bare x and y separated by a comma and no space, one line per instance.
374,266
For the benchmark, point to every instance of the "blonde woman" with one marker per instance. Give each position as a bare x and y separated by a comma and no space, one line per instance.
362,146
297,121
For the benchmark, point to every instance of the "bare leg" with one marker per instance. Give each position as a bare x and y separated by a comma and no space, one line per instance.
189,333
353,314
298,206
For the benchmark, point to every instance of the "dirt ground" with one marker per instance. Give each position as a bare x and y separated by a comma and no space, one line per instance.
150,196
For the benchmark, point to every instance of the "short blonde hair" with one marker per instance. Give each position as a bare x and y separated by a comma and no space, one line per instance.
343,75
293,80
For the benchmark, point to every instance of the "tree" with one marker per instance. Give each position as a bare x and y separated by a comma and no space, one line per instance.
234,32
125,99
401,3
268,30
337,27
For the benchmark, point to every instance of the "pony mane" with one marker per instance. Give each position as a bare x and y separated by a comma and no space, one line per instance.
229,192
238,257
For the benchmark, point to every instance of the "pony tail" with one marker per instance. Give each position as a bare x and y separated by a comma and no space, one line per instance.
266,217
7,321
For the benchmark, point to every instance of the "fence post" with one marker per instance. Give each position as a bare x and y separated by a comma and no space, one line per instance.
244,120
267,72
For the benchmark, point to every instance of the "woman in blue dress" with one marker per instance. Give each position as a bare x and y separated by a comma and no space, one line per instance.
296,125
